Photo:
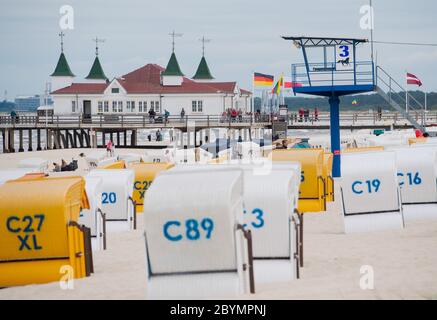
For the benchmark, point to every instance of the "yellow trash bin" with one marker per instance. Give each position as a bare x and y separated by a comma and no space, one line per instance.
40,239
313,186
144,175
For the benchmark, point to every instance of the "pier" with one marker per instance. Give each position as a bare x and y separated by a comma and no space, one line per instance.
62,132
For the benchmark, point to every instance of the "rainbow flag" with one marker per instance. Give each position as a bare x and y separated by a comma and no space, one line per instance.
262,80
277,88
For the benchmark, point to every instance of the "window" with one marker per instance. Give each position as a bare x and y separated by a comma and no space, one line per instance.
140,106
128,106
132,104
100,107
145,106
152,105
73,106
115,90
120,106
114,106
197,106
106,106
157,107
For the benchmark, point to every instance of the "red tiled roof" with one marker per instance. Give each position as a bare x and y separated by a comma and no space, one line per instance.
85,88
147,80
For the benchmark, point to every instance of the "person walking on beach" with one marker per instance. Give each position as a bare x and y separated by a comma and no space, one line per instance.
109,147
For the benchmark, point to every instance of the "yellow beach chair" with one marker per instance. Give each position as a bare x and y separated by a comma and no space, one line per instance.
144,175
41,240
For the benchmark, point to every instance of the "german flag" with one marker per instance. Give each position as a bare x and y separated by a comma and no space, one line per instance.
262,80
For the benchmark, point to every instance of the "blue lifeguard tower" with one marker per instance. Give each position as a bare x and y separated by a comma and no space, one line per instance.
338,75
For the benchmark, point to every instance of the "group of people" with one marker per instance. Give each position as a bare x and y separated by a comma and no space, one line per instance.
232,115
155,118
64,166
304,115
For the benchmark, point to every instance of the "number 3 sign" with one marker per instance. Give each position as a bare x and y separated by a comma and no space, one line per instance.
343,57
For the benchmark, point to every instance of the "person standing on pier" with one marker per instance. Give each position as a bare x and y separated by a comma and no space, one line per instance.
316,114
301,114
166,115
182,114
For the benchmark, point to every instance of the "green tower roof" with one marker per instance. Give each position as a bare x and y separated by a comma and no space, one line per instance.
96,71
203,72
62,68
173,68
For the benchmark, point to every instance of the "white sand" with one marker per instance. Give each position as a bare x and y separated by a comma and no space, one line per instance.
404,261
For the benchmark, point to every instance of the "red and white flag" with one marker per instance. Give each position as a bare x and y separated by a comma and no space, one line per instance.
412,79
289,84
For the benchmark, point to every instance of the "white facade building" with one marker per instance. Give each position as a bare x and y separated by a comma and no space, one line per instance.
150,86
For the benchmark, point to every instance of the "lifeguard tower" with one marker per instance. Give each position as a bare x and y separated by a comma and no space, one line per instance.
338,75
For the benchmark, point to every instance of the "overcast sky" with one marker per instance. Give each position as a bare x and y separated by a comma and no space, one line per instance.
245,36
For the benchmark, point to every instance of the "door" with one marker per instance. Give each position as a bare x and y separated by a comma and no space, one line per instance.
86,111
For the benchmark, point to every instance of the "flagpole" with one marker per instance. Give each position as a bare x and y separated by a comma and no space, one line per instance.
406,91
253,97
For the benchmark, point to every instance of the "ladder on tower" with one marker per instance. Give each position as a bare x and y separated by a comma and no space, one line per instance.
397,97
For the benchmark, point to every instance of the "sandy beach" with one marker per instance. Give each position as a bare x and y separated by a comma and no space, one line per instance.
404,261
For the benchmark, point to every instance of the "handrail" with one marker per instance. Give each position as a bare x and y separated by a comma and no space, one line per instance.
295,218
324,191
134,203
103,215
333,187
248,236
400,87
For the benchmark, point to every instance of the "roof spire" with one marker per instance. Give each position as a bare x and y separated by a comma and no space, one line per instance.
96,72
174,35
203,72
62,68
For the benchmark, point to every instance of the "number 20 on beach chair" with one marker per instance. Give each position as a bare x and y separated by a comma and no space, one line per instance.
40,238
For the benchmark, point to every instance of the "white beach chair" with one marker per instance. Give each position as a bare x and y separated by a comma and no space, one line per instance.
117,201
271,192
195,247
417,177
370,192
94,217
36,164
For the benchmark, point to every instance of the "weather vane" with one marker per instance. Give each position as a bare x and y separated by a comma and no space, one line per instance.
62,34
204,40
97,41
174,35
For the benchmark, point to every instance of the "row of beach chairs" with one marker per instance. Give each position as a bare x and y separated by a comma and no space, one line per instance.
210,230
